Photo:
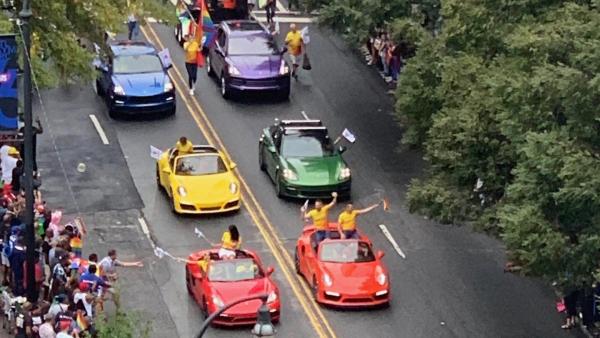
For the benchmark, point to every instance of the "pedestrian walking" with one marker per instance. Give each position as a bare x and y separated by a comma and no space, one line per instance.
132,21
270,10
295,46
191,47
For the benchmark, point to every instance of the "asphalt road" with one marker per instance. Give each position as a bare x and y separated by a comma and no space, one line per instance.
450,285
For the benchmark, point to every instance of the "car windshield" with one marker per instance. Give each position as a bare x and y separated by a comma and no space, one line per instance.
306,145
135,64
234,270
195,165
345,252
252,45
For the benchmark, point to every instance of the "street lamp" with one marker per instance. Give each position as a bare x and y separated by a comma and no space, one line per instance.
263,327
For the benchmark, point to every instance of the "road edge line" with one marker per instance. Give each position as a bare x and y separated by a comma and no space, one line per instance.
390,238
99,129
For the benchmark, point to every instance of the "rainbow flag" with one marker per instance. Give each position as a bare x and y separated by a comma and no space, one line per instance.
81,321
208,26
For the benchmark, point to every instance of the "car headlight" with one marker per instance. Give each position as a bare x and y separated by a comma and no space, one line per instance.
217,301
168,85
284,68
119,90
345,173
381,277
182,192
233,70
272,297
327,280
289,175
233,187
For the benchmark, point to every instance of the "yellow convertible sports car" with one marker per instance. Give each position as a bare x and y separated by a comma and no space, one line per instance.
201,182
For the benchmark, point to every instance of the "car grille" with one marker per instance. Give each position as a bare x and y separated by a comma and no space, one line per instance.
231,204
357,300
210,208
254,82
147,99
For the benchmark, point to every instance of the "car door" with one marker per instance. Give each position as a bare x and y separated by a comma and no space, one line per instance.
166,171
311,260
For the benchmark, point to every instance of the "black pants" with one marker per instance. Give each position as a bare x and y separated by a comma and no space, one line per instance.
270,9
192,70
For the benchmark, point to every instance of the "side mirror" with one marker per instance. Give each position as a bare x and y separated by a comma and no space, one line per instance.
270,270
232,165
166,170
169,66
284,50
380,254
342,149
271,149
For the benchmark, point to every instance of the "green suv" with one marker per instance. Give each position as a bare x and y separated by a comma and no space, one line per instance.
302,161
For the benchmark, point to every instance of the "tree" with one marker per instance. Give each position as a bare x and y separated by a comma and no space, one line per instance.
60,26
504,101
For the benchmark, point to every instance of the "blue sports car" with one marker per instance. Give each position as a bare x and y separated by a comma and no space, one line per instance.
132,80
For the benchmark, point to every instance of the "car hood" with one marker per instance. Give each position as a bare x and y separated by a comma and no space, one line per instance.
357,277
232,291
316,171
257,66
206,189
142,84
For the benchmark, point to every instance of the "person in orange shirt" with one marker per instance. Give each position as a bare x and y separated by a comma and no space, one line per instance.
191,47
347,220
319,216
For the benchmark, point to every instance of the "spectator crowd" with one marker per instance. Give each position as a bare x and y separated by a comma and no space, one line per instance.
387,55
70,291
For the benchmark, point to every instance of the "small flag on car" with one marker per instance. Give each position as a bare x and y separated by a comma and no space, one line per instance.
348,135
155,152
304,206
160,253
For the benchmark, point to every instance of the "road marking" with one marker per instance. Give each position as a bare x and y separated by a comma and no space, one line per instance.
99,129
304,115
388,235
280,7
276,246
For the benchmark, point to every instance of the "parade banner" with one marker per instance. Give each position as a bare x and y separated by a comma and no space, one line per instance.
9,100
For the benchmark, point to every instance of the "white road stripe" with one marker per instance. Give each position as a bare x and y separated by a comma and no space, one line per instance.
281,8
99,128
146,231
304,115
388,235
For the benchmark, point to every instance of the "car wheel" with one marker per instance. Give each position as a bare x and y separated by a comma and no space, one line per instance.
187,282
158,177
225,92
171,111
112,113
284,94
173,203
315,287
297,261
278,188
99,89
261,159
204,308
209,69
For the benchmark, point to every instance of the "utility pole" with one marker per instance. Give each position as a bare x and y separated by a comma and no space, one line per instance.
25,15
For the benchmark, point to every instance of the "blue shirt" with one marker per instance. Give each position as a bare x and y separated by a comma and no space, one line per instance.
91,279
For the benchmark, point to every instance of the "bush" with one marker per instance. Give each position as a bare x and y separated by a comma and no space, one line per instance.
123,325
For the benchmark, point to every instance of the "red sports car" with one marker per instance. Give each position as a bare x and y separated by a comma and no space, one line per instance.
342,272
225,281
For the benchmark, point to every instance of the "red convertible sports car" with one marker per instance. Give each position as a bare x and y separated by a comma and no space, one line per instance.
342,272
222,282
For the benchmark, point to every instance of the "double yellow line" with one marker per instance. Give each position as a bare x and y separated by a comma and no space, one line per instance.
284,259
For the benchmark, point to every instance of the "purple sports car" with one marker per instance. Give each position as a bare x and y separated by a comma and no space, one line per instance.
245,57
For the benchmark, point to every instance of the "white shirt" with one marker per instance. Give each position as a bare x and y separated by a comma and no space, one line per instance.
88,306
63,335
47,331
8,164
131,18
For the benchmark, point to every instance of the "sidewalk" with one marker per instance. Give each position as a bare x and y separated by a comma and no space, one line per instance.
104,196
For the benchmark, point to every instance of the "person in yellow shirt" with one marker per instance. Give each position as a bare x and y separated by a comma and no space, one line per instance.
347,220
191,48
202,262
230,242
183,146
319,217
295,45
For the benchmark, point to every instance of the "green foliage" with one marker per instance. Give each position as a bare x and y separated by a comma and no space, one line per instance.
123,325
507,93
58,26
